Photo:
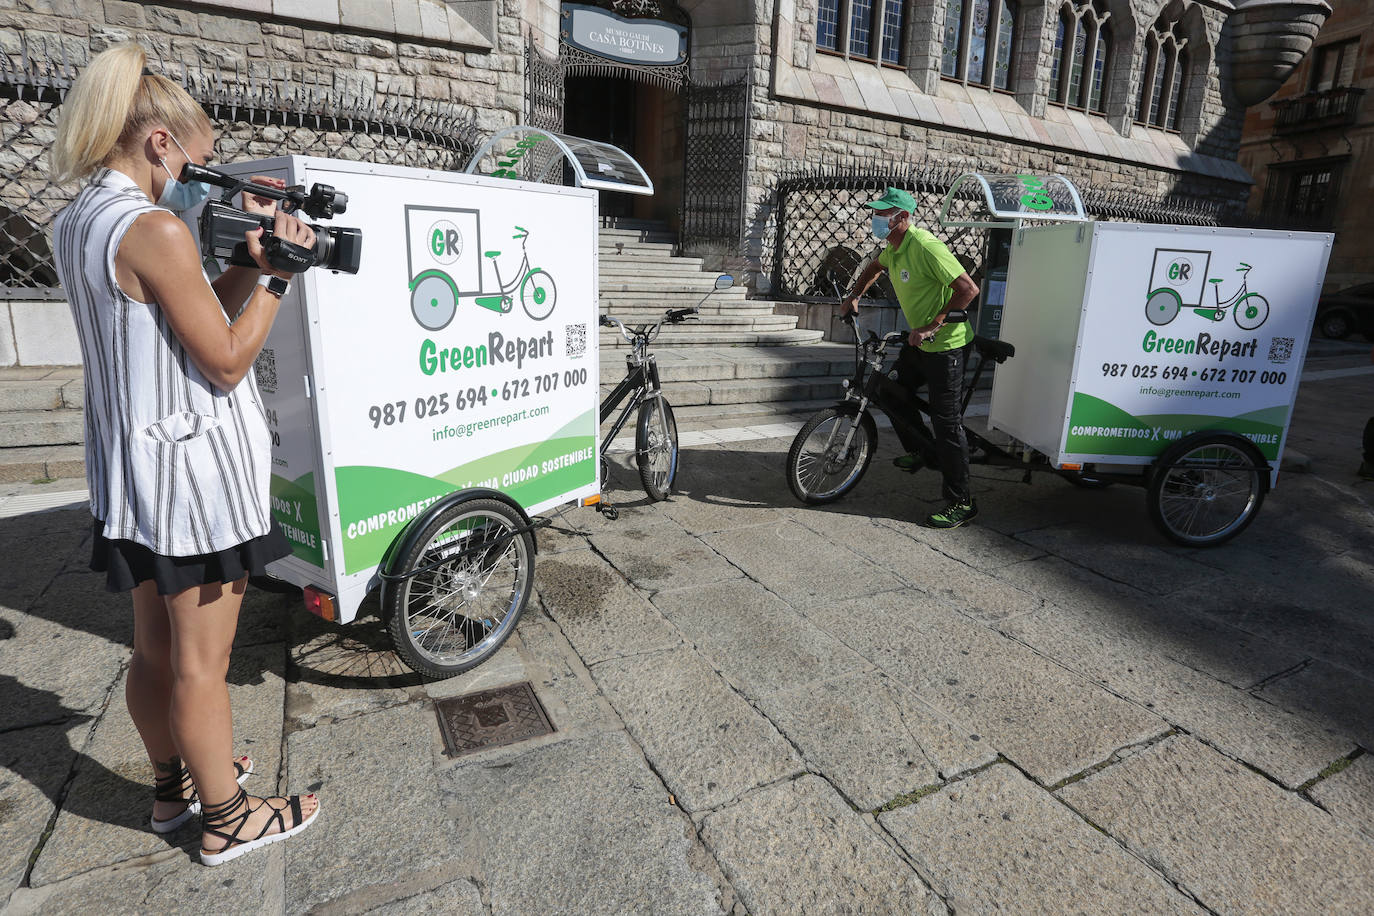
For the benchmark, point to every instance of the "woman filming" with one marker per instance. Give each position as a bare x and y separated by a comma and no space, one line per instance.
177,446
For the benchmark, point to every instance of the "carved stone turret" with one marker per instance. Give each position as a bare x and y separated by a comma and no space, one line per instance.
1269,38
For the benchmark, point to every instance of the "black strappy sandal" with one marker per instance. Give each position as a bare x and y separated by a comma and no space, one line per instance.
173,789
216,819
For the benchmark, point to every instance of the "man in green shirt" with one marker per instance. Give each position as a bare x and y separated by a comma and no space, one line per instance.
930,283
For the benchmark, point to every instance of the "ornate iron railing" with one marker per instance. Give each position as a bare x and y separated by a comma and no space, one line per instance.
1315,110
254,117
821,234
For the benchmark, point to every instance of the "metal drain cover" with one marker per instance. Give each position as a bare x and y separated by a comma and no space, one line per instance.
491,718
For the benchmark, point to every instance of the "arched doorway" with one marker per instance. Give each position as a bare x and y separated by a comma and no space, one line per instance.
624,66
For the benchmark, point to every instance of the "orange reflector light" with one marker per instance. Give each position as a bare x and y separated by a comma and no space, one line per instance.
1072,467
319,603
590,501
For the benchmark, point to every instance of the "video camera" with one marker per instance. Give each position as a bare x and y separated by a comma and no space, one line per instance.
222,225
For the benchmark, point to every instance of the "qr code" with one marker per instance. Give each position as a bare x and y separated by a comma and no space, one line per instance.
265,370
577,339
1280,349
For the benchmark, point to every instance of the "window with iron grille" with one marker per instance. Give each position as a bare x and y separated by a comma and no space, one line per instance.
1082,51
1303,194
864,29
978,43
1334,65
1165,82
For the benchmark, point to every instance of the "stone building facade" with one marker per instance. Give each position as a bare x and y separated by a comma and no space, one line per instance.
1311,148
1145,96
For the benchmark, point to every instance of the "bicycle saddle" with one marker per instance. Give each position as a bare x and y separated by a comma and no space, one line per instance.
492,254
996,350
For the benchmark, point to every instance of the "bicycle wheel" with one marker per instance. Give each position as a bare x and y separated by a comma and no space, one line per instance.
467,581
1162,306
656,447
1206,488
538,294
1251,312
821,466
432,303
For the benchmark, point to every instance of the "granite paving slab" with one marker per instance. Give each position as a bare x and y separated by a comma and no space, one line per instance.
34,764
600,613
104,817
33,557
709,745
456,898
381,815
872,738
796,847
1124,556
584,826
1330,697
665,559
341,670
40,684
1349,794
1234,840
1051,722
799,565
1287,747
755,640
998,843
169,883
980,547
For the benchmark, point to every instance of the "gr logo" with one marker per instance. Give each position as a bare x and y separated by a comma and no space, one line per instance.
1179,272
445,242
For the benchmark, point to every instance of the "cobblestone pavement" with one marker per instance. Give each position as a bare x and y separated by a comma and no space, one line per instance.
766,708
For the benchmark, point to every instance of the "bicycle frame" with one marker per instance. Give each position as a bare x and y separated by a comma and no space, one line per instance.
519,274
639,385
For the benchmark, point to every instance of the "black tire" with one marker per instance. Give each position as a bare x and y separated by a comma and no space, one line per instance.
1335,325
1206,488
820,467
450,618
1242,311
656,450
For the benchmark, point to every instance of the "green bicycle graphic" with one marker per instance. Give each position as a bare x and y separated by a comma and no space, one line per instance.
1250,310
434,295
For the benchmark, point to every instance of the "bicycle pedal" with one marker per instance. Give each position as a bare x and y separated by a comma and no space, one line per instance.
608,512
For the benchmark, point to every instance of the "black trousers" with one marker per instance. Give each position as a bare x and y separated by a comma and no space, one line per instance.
943,376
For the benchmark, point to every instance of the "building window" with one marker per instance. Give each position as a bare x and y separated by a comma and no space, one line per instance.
1303,195
979,39
1335,66
1165,81
1082,47
870,29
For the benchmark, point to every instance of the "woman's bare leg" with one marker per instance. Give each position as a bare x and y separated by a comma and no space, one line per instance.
148,688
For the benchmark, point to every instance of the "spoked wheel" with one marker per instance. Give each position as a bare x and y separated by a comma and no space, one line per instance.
830,455
538,294
1206,488
467,581
656,447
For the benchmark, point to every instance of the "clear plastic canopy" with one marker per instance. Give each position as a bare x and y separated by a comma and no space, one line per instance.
1003,201
531,154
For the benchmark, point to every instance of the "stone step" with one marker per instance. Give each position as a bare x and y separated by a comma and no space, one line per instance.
613,266
709,324
666,299
706,416
25,428
641,313
632,249
41,389
702,365
749,391
50,462
627,237
675,337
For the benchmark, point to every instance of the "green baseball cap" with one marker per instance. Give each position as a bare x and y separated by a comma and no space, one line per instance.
894,197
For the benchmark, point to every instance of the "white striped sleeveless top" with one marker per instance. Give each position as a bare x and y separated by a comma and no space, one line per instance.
173,463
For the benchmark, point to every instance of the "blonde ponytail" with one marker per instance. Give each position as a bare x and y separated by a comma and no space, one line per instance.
112,102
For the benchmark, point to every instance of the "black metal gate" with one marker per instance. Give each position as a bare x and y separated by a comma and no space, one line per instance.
543,89
717,144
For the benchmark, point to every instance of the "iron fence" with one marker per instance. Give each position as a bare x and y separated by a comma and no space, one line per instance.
254,117
821,239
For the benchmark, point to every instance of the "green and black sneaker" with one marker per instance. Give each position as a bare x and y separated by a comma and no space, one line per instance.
954,515
910,462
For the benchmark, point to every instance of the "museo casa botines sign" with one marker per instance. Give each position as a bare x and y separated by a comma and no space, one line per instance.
631,41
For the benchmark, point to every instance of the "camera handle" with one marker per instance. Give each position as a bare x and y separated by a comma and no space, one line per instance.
323,202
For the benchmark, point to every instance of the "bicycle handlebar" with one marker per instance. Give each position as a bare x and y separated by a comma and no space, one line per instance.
677,315
648,331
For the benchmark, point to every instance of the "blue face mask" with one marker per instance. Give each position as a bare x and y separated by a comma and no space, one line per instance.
177,196
881,226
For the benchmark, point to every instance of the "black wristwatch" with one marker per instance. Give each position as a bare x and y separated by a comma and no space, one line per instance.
277,286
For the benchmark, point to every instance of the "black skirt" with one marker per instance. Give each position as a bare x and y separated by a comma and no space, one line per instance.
127,564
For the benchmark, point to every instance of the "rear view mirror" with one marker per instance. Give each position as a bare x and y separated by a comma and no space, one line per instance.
724,281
